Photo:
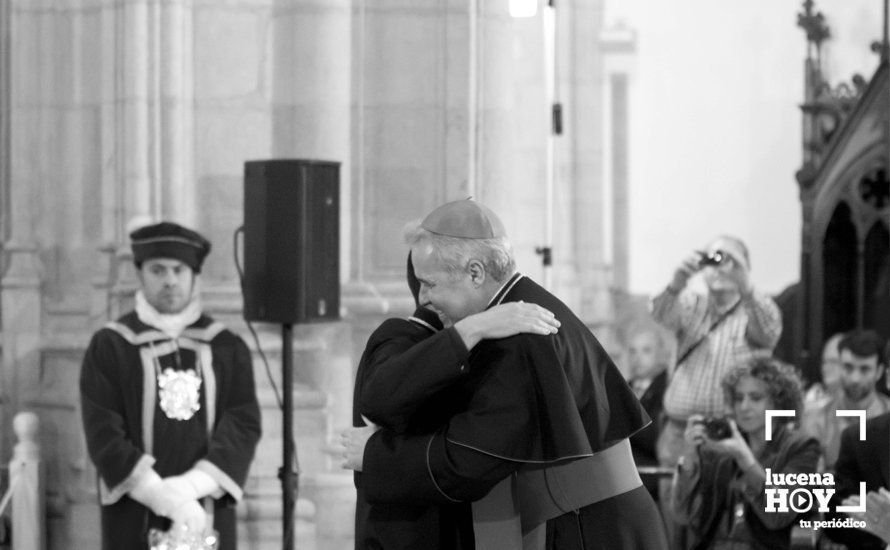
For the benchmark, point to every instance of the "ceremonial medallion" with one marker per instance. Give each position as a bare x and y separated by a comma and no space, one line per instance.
179,393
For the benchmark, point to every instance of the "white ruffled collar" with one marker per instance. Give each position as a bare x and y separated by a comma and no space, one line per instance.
170,324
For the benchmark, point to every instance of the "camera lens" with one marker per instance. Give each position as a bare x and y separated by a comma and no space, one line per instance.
718,428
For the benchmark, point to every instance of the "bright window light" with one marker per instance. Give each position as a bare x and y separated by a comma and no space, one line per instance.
523,8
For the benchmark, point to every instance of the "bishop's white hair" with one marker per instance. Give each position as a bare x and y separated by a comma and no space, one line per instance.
455,253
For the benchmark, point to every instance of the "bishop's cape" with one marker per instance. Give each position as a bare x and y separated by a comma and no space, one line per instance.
152,401
547,409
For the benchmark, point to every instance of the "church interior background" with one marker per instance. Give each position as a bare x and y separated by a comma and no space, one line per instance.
115,111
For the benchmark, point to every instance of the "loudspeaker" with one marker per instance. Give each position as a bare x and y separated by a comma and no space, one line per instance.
291,241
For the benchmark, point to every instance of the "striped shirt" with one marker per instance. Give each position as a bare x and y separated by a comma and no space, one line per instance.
695,387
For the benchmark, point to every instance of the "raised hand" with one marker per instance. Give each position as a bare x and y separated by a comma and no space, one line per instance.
687,268
736,446
695,430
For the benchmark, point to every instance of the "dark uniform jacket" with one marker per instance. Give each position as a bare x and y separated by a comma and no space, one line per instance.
527,399
127,432
395,359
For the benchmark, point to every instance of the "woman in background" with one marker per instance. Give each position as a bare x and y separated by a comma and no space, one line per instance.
719,491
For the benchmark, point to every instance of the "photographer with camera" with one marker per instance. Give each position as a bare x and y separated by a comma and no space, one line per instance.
719,485
715,330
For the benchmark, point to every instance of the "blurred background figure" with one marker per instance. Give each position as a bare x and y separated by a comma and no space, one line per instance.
648,357
715,329
719,482
823,390
863,460
862,365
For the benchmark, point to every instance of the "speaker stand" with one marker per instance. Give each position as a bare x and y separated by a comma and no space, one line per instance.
289,474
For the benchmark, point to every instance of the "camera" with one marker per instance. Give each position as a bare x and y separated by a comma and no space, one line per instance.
714,258
717,428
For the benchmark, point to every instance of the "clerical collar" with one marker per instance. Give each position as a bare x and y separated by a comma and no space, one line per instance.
505,288
170,324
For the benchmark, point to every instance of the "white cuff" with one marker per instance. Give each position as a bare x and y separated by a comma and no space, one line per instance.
226,483
110,495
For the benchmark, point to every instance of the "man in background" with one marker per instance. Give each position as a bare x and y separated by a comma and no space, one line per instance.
648,357
862,364
824,390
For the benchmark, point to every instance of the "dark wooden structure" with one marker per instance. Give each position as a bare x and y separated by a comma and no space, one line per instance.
845,197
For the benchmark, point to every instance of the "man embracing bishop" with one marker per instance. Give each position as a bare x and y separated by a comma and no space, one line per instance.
169,404
539,442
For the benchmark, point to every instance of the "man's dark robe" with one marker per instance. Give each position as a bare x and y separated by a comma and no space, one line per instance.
127,432
403,347
529,399
858,461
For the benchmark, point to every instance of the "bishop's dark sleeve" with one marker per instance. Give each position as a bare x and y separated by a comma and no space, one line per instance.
449,466
428,469
399,373
111,446
238,424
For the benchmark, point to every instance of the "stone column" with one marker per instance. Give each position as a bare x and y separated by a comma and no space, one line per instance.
175,106
148,123
126,117
5,47
133,96
514,118
20,285
582,78
312,93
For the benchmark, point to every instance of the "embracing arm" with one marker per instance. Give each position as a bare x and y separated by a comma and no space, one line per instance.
399,372
466,458
428,469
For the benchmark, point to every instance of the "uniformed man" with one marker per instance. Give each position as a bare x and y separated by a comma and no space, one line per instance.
168,401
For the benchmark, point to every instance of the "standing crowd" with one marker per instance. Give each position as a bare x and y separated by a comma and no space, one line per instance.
716,446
